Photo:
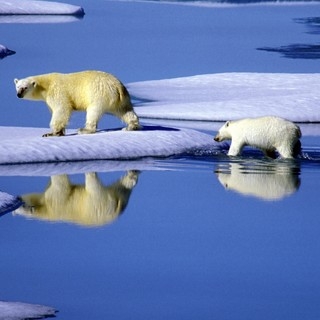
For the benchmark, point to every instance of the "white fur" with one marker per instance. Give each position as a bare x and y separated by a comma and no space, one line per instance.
269,134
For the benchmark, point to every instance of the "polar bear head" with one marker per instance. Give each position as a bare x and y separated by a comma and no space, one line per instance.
25,88
224,132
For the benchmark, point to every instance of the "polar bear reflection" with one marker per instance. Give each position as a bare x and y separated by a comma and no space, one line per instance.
272,182
91,204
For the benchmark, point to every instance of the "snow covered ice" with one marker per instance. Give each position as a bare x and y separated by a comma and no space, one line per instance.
23,7
230,96
20,311
149,142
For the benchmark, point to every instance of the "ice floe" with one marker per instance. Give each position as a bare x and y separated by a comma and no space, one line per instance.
229,96
26,145
20,311
24,7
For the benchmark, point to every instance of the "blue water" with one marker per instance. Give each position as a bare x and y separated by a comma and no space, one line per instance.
185,246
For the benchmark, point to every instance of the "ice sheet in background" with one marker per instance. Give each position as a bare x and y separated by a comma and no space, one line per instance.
22,11
24,7
229,96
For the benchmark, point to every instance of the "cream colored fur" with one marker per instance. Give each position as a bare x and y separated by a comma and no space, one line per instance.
94,92
91,204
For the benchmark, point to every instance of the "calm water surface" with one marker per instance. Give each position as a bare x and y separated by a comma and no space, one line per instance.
195,237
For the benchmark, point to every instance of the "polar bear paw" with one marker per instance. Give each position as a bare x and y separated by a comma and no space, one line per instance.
132,127
55,134
86,131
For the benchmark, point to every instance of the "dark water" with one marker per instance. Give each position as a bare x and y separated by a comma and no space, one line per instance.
198,236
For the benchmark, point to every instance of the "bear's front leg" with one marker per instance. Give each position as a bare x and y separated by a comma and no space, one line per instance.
235,148
59,121
55,134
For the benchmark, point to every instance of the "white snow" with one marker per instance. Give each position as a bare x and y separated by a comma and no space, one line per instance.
229,96
20,311
26,7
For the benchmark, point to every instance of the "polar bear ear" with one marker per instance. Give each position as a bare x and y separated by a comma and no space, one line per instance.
34,84
16,80
227,124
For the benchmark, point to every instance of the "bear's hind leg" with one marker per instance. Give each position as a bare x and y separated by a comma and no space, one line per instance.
290,152
286,152
93,116
132,121
88,129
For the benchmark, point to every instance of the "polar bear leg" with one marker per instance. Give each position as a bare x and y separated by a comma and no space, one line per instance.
130,179
285,152
132,120
93,116
93,184
59,120
235,148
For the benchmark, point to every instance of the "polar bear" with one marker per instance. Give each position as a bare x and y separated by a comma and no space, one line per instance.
91,204
95,92
269,134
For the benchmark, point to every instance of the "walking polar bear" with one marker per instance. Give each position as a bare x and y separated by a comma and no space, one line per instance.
269,134
95,92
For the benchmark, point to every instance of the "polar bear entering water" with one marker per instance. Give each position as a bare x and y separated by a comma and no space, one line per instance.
269,134
95,92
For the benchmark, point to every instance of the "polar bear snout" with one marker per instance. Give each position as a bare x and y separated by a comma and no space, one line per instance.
20,94
217,138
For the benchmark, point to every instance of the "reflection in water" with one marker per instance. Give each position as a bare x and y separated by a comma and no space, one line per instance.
301,51
91,204
267,181
8,203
